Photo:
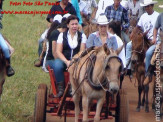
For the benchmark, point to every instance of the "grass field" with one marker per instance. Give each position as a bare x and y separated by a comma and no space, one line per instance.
23,31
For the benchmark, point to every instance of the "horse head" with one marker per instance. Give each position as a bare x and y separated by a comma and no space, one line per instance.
107,68
138,45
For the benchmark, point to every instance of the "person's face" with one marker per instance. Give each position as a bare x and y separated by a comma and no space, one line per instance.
102,29
65,2
149,9
117,3
73,25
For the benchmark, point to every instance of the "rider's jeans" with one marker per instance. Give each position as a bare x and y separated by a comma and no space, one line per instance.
59,68
148,56
4,47
128,54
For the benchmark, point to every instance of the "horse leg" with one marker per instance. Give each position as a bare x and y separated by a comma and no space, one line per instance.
1,88
98,109
85,104
76,99
140,89
146,90
143,100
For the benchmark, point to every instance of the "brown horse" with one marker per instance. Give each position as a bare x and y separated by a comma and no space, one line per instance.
91,76
2,70
89,27
139,48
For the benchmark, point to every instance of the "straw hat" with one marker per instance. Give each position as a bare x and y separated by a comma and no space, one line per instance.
148,2
57,17
102,20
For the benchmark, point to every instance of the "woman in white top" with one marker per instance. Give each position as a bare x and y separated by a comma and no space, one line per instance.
69,43
115,29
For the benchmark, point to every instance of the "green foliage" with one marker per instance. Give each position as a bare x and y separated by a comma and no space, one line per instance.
23,31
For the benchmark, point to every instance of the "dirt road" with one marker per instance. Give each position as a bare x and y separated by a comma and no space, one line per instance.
134,116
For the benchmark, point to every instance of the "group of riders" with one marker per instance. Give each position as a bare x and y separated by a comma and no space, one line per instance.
66,36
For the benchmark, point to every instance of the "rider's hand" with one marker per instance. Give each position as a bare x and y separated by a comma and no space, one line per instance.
67,63
153,41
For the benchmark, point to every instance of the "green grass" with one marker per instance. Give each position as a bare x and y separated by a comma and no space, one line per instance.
23,31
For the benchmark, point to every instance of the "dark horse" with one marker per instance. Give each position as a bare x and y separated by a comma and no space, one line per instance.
2,70
139,48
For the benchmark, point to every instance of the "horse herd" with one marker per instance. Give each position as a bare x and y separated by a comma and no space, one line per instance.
102,67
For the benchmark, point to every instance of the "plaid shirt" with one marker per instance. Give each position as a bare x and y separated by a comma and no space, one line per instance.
120,14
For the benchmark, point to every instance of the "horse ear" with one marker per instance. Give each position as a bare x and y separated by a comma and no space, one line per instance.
119,49
107,51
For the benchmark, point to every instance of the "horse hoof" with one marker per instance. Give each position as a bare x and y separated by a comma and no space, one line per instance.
137,109
142,107
147,110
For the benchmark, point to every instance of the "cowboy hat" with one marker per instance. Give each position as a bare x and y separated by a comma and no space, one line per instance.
147,2
160,6
102,20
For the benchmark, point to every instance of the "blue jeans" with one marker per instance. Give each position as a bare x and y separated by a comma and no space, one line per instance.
50,63
125,37
4,47
128,54
59,68
148,56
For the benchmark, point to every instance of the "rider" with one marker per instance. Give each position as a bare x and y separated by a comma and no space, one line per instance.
118,13
146,23
158,27
6,51
69,43
102,36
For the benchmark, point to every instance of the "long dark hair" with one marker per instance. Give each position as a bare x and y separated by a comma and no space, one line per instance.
116,27
53,26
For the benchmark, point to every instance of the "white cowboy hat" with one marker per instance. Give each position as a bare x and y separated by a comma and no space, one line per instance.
148,2
57,17
102,20
160,6
66,15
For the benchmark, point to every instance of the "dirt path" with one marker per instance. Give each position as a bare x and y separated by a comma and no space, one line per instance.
134,116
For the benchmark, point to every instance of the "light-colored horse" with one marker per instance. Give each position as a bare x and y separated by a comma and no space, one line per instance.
91,76
2,71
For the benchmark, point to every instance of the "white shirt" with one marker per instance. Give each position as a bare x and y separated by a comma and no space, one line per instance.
102,4
72,42
135,8
90,4
83,7
147,22
43,36
122,53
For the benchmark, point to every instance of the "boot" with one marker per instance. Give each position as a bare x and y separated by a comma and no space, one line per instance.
39,63
60,86
149,74
9,70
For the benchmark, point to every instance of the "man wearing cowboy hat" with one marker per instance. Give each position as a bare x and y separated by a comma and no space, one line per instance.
146,23
158,27
101,36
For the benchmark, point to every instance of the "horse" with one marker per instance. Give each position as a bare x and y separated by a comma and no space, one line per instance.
2,71
89,27
133,19
139,47
91,76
